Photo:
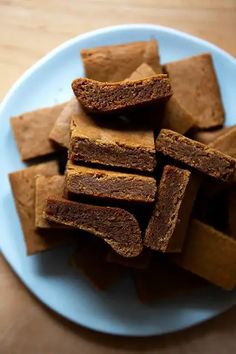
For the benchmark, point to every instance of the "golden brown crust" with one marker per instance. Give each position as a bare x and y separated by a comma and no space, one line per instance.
46,186
209,254
60,132
142,72
116,145
196,88
117,62
23,189
176,117
31,131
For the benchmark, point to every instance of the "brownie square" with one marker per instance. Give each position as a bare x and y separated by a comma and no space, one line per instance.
195,86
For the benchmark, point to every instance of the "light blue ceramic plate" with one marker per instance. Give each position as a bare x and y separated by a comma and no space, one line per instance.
47,275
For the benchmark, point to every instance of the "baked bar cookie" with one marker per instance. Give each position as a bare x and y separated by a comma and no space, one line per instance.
197,155
31,132
209,254
115,145
107,184
195,86
117,62
174,201
115,97
23,189
116,226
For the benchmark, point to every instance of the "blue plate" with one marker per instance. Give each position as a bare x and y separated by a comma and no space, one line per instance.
47,275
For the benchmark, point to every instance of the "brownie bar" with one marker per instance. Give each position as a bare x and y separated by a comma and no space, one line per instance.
23,189
46,186
60,132
117,62
116,97
195,86
116,145
109,184
115,226
31,132
197,155
209,254
174,201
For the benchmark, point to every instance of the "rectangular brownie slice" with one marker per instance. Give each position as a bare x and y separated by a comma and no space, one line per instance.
23,189
196,155
31,132
195,86
107,184
46,186
209,254
116,226
60,132
123,96
174,201
115,144
117,62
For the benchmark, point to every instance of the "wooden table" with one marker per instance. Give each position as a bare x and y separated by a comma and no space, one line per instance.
28,30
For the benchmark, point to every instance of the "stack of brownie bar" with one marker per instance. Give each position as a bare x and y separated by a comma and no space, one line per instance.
137,169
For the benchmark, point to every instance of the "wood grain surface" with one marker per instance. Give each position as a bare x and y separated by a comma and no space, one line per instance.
28,30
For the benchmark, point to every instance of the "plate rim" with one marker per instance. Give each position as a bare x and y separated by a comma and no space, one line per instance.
46,58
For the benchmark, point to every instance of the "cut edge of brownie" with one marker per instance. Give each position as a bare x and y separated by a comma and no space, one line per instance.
165,143
107,97
116,226
168,224
116,155
109,184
